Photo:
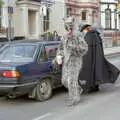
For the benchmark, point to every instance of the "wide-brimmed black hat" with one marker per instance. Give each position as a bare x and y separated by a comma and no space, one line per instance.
84,26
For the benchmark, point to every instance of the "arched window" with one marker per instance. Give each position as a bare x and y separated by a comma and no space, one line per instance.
84,13
108,18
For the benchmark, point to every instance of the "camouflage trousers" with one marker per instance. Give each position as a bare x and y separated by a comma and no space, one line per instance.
70,74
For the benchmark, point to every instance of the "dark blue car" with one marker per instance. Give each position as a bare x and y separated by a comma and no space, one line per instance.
26,68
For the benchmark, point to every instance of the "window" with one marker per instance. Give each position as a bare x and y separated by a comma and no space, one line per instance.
51,51
69,10
18,53
108,18
1,4
84,15
46,20
0,17
42,56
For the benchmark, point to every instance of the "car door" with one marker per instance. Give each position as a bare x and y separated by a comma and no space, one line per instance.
54,68
42,63
39,67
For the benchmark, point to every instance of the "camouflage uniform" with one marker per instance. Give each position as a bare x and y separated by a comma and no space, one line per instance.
72,48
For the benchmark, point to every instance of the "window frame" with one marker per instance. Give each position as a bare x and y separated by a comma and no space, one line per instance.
46,20
39,55
54,48
0,16
84,15
108,18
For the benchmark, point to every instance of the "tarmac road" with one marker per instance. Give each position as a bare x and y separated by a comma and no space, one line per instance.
102,105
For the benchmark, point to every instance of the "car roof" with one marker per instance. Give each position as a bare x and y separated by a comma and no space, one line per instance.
31,42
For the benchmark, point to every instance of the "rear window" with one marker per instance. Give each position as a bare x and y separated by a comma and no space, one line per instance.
18,53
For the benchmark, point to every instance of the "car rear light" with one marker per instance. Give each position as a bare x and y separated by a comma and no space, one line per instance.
11,74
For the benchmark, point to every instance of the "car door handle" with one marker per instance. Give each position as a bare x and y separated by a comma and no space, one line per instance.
50,67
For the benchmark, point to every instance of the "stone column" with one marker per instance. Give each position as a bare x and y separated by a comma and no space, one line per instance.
38,27
41,24
4,17
89,18
25,21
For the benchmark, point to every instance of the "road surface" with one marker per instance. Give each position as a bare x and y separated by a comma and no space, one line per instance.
102,105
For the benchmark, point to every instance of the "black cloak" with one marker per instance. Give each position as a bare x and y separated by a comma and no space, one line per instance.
96,69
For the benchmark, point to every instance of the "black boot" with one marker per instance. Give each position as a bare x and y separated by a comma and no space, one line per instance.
94,89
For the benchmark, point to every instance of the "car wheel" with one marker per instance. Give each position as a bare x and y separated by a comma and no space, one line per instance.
10,96
43,90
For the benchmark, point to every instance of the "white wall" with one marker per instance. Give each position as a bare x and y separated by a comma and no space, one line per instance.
32,22
20,17
18,21
56,17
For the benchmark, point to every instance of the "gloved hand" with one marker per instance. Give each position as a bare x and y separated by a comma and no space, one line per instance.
59,59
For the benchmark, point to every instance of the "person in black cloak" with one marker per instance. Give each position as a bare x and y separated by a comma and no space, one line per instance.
96,69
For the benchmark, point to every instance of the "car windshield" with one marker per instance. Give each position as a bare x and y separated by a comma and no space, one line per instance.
18,53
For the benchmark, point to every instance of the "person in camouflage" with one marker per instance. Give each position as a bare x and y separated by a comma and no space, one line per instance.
72,48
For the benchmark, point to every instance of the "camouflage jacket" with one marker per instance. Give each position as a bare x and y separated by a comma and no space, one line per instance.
72,46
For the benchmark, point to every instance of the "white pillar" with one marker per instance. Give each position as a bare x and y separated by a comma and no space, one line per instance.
25,21
5,17
89,18
37,24
41,25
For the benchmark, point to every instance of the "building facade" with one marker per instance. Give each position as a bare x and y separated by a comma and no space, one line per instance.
24,21
109,14
31,18
27,20
86,11
110,20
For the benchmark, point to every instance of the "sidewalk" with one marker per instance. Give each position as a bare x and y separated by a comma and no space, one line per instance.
112,50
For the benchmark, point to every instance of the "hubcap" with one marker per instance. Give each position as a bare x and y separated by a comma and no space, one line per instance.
43,87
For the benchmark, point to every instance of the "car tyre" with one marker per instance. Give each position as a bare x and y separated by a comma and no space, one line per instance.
43,90
10,96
